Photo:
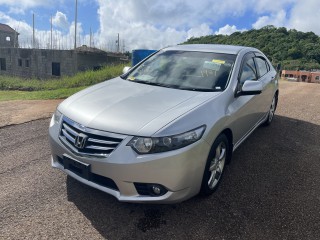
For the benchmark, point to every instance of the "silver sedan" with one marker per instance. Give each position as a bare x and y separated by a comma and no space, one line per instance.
164,130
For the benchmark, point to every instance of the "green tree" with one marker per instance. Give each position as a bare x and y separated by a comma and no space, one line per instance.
293,49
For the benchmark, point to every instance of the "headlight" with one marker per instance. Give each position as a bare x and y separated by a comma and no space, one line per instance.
143,145
57,116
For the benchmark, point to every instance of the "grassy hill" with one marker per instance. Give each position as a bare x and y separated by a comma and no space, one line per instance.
292,48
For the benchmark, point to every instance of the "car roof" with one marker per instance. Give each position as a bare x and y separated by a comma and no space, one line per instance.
217,48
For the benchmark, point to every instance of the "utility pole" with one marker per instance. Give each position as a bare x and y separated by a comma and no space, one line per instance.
90,37
51,33
15,38
118,44
33,35
75,25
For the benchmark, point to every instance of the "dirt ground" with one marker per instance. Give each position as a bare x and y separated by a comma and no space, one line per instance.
21,111
301,99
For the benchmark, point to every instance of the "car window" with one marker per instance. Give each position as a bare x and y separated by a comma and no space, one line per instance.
268,66
262,65
187,70
248,71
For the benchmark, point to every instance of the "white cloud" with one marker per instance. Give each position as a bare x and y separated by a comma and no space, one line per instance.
149,24
305,16
20,26
125,18
156,24
177,13
270,6
227,30
276,19
141,36
60,20
199,31
60,40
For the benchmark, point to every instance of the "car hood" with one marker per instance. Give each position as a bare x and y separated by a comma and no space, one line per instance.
130,108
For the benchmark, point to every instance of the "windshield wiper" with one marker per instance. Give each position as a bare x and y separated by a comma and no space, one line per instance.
198,89
175,86
156,84
145,82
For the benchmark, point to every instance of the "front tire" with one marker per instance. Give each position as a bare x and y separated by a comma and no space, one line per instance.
217,159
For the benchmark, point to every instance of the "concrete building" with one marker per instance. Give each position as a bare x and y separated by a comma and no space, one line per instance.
8,36
44,63
301,76
48,63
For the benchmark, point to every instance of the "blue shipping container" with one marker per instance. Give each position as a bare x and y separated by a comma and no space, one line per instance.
140,54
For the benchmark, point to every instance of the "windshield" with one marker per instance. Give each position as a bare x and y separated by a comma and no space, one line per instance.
197,71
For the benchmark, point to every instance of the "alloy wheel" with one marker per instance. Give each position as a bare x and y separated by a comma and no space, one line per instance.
272,109
217,165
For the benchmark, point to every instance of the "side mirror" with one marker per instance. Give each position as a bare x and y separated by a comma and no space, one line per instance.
125,69
278,67
251,88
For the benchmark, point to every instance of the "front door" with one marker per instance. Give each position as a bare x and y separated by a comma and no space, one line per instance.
246,109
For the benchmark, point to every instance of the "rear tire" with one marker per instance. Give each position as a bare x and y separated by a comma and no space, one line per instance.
271,111
217,159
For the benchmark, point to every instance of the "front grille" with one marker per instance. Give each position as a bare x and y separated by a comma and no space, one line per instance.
86,141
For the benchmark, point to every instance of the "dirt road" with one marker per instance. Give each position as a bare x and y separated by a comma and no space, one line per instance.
16,112
269,191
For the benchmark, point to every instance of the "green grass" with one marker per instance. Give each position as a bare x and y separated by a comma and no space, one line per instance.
13,88
36,95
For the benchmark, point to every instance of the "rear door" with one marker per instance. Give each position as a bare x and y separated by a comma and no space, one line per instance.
267,76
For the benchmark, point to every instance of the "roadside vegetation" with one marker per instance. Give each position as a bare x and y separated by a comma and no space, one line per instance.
14,88
295,50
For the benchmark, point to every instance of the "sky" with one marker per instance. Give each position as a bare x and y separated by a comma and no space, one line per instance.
149,24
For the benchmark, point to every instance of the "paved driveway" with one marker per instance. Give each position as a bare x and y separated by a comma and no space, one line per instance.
271,189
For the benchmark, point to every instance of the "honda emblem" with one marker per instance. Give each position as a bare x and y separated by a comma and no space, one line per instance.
80,141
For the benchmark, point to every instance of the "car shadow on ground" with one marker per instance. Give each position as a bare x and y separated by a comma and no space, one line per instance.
270,190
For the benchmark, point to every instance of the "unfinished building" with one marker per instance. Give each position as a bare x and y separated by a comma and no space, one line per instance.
48,63
8,36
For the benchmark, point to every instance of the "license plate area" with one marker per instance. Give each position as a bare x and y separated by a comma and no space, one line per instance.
77,167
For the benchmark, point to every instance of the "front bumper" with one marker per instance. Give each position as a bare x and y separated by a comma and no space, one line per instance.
179,171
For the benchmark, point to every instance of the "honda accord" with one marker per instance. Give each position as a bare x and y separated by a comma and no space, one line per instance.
165,129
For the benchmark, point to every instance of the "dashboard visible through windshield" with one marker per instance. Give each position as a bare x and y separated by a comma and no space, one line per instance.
187,70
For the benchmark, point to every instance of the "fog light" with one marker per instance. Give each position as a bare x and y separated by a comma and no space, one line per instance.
156,189
150,189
